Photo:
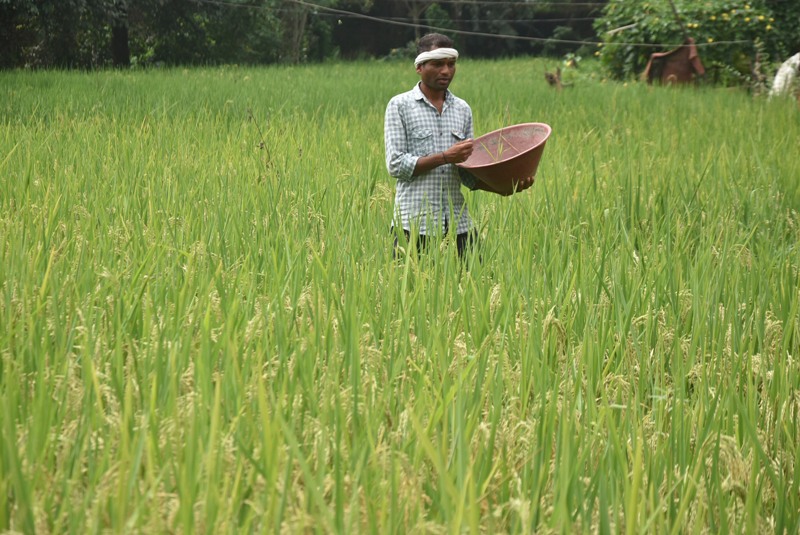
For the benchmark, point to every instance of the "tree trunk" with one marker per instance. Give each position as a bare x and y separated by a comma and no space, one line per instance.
294,28
120,49
415,10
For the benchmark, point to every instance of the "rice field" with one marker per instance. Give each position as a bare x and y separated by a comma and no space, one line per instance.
203,329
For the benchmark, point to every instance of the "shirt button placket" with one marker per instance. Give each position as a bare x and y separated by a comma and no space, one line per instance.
444,206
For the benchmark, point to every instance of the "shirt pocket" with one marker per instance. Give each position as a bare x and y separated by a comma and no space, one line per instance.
422,141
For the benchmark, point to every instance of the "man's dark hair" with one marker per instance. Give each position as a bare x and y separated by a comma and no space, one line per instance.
433,40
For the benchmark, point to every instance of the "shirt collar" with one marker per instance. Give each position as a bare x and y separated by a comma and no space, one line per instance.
419,95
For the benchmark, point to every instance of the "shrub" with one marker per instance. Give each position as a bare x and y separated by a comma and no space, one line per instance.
728,33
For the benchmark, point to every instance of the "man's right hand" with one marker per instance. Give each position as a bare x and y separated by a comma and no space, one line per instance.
459,152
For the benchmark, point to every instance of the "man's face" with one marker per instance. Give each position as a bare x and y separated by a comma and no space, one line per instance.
437,73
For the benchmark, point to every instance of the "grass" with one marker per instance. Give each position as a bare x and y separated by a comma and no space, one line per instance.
203,328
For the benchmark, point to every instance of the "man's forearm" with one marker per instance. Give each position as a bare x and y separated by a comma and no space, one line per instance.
431,161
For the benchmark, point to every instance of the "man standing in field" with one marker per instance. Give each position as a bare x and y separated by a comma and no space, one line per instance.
426,131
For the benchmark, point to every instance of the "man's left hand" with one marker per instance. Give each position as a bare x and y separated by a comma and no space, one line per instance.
523,184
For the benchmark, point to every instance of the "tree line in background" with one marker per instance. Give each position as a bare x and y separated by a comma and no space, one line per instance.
91,34
102,33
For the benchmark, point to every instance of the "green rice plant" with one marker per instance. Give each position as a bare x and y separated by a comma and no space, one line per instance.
204,328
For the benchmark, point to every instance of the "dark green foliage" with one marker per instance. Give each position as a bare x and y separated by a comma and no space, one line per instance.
788,15
14,37
81,33
186,33
121,33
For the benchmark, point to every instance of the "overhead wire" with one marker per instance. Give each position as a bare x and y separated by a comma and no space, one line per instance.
403,19
385,20
526,21
510,37
517,3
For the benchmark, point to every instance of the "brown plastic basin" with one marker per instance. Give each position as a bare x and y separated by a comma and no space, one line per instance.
504,157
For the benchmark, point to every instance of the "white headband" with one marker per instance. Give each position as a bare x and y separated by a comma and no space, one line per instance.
436,53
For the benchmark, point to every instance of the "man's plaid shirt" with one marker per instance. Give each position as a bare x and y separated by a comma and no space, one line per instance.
413,127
